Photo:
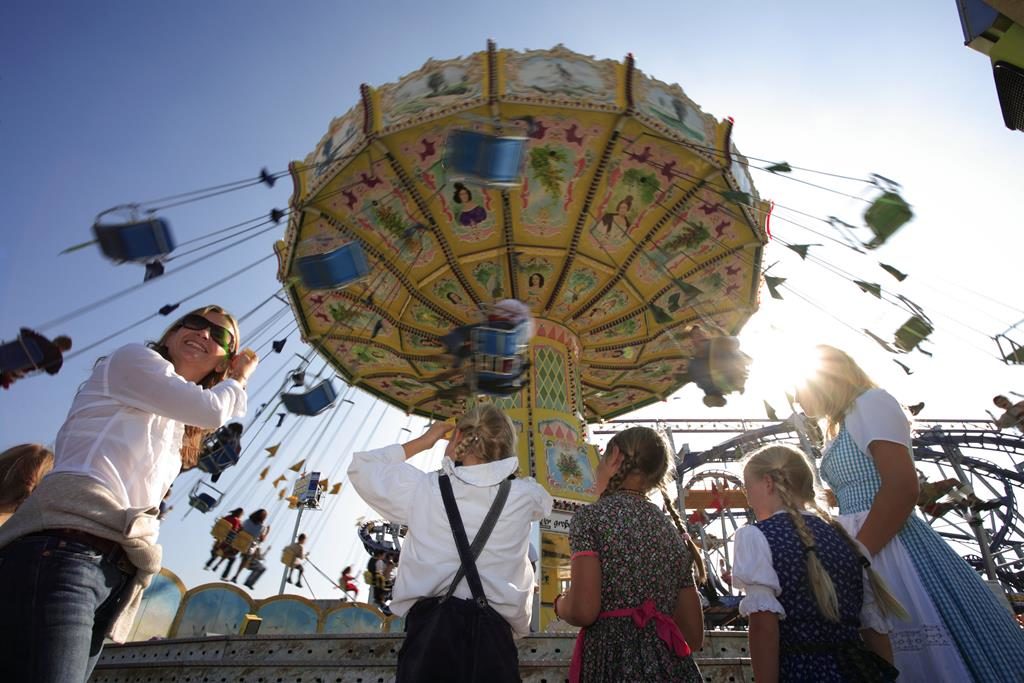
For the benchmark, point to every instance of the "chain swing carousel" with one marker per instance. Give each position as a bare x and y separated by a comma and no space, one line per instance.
634,235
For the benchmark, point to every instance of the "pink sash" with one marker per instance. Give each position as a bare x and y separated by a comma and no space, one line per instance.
666,628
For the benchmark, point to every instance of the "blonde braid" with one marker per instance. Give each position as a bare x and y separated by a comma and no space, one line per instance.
698,559
886,601
821,583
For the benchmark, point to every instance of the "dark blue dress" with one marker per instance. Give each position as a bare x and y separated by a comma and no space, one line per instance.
809,644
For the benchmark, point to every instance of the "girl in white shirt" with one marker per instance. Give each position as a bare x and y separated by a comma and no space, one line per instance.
480,455
816,607
75,557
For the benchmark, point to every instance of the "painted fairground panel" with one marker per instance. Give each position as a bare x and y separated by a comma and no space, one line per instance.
160,603
538,270
561,158
487,274
365,358
471,213
667,109
617,402
644,182
353,619
408,390
565,463
582,282
288,614
371,201
614,304
212,610
560,76
343,138
631,328
438,88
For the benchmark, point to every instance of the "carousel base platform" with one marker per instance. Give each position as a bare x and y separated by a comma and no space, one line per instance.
355,658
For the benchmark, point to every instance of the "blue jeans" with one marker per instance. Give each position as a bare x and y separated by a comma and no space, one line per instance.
58,600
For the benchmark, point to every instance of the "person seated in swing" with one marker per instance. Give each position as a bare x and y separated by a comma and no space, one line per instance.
256,566
299,554
1013,413
29,352
347,582
718,367
223,549
506,314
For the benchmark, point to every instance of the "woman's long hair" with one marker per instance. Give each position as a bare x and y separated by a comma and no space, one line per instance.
21,468
835,386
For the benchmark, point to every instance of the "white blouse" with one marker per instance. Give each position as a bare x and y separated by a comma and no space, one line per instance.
126,423
877,416
754,573
406,495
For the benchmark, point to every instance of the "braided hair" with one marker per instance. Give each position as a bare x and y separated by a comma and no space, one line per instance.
793,478
643,450
487,433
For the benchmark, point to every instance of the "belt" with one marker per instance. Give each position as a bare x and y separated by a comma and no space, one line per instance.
104,547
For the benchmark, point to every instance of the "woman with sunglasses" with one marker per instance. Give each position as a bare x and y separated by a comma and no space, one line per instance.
76,555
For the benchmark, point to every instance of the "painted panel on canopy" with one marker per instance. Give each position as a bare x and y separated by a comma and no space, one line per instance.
561,76
343,137
420,343
625,355
584,280
538,270
618,400
469,215
372,202
645,177
627,330
435,89
361,358
344,317
447,293
560,160
667,109
613,304
671,342
566,464
420,316
405,389
488,274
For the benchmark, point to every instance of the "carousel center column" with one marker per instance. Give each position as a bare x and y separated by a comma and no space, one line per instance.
548,415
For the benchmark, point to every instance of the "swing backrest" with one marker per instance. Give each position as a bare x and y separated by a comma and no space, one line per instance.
885,216
203,502
312,402
484,159
20,355
243,542
334,269
219,459
138,242
222,528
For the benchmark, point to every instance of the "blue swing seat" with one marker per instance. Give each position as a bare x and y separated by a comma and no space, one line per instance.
333,269
498,356
313,402
20,355
216,461
137,242
202,500
483,159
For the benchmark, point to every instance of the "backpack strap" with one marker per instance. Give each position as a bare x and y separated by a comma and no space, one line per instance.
467,554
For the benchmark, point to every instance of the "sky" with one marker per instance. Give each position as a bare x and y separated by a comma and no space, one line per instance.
107,103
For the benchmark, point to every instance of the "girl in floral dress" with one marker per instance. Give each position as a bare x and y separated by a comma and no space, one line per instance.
817,610
632,589
958,630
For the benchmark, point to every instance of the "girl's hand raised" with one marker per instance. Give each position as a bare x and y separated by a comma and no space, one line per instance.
435,432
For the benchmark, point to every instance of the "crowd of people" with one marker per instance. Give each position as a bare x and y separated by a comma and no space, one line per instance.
867,595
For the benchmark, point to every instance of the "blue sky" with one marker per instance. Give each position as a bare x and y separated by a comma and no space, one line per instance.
110,102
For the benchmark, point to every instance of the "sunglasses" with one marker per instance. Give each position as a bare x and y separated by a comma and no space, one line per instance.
221,336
